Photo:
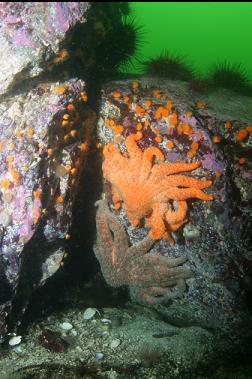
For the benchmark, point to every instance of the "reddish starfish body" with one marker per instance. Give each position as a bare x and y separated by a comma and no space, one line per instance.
151,278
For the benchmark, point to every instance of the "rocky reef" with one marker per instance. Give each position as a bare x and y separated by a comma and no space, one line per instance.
187,129
166,172
44,141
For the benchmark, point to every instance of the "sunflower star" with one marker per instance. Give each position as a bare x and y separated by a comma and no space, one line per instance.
152,191
151,278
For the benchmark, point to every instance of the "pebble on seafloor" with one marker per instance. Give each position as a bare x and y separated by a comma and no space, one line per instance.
115,343
15,340
89,313
66,326
99,356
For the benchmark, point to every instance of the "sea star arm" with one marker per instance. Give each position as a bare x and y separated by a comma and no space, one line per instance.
117,232
182,194
174,227
155,295
161,170
185,181
141,247
177,216
156,220
116,198
160,215
102,227
108,149
132,147
121,238
156,270
133,218
134,266
147,162
135,153
110,246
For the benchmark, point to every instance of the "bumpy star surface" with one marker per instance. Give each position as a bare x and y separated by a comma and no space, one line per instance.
156,192
151,278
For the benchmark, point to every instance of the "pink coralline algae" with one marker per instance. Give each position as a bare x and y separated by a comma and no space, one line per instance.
60,19
210,163
31,33
247,175
189,120
39,166
11,20
21,38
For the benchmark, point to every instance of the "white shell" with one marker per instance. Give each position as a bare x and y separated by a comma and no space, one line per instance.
66,326
18,350
89,313
5,218
115,343
106,321
99,356
15,340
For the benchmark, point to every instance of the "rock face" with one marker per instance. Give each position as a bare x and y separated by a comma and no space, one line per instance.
174,224
31,35
43,147
214,236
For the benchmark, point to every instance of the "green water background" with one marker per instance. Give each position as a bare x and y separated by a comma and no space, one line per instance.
204,32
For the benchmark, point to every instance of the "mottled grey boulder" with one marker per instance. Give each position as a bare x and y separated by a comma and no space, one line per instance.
216,239
41,156
43,145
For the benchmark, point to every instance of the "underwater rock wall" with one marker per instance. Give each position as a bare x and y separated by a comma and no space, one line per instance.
175,232
31,36
212,240
43,147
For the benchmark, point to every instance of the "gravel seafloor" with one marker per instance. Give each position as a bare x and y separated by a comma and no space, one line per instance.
126,342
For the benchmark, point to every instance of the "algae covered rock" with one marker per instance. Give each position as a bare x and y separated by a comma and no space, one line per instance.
31,36
51,53
168,116
44,145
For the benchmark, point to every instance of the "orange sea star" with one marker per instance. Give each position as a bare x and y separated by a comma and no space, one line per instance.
152,191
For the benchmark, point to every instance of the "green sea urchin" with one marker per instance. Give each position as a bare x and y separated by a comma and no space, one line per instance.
121,44
108,40
169,66
231,76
